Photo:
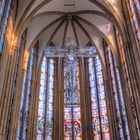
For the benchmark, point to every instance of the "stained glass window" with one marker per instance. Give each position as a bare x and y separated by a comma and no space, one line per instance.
5,21
2,6
134,12
118,95
25,99
72,113
124,117
98,103
45,107
122,54
137,4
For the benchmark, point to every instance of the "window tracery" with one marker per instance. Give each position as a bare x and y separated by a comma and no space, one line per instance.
118,95
134,12
98,104
4,26
2,6
25,100
72,110
45,107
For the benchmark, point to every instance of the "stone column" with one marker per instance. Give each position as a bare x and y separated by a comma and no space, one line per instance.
61,100
110,100
132,37
6,93
9,61
56,102
16,91
127,71
36,101
83,92
88,100
33,95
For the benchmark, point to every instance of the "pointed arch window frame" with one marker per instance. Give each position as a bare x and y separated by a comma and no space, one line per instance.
45,105
4,26
25,99
134,13
100,122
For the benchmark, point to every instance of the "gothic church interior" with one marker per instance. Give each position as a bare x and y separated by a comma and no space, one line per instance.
69,70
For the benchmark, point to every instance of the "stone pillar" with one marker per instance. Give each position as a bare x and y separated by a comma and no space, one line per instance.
9,61
132,34
33,96
56,102
127,71
7,92
88,100
17,88
8,68
110,100
61,98
36,101
127,95
83,92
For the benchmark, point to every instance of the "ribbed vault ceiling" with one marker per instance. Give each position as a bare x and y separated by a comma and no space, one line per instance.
55,20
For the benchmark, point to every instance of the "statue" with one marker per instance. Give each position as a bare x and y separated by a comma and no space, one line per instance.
71,76
71,52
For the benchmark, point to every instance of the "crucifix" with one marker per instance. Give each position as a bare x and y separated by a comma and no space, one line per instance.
71,52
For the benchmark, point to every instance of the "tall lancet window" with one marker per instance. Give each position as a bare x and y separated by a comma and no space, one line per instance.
45,106
118,96
98,101
134,12
72,113
4,24
25,100
137,4
2,6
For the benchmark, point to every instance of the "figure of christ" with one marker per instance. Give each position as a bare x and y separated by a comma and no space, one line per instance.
71,77
71,53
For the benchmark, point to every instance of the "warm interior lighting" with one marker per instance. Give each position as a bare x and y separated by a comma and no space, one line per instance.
114,5
13,44
26,57
11,38
116,9
110,37
111,1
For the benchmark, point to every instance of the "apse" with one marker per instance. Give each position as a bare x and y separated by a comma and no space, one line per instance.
69,70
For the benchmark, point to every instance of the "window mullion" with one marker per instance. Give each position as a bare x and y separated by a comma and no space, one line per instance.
97,95
4,24
114,88
120,102
136,4
46,90
118,96
24,102
111,91
134,18
2,9
55,99
88,100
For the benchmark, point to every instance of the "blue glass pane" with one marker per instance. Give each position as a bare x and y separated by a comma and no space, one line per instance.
5,21
72,113
2,9
25,101
46,98
95,66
